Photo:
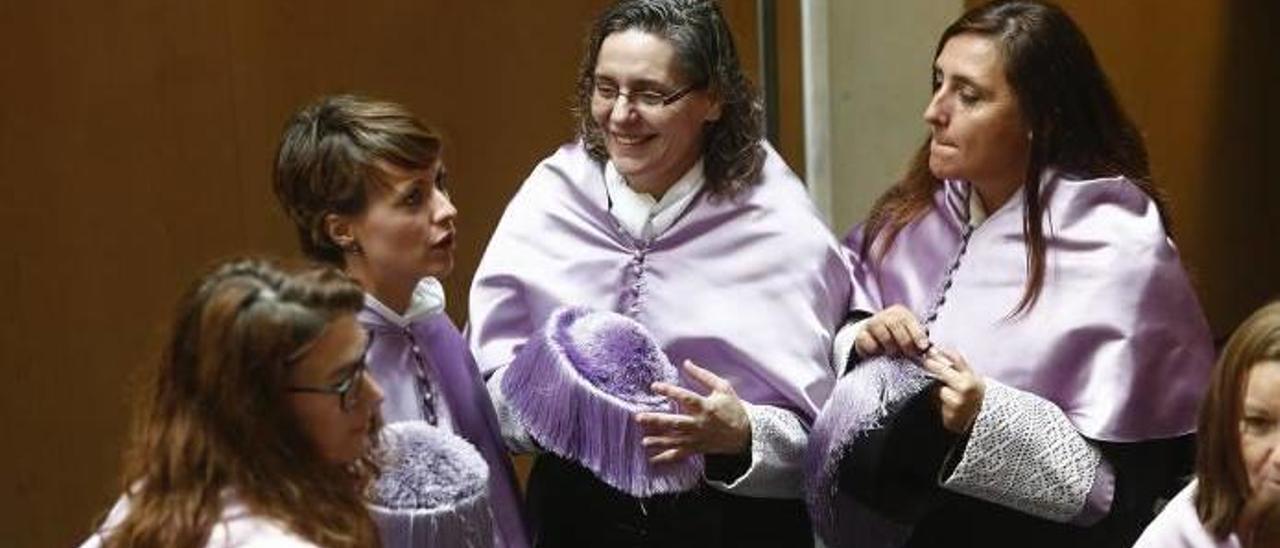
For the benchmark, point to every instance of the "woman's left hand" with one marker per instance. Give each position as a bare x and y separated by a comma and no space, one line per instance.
716,423
961,392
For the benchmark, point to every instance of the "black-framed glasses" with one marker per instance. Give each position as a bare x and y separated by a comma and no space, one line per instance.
347,388
608,92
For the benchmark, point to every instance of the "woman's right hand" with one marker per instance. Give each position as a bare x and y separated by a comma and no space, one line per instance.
893,331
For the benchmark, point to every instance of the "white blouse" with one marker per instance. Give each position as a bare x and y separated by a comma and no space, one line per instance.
237,528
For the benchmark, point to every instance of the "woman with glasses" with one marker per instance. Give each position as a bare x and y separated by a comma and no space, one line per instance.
1235,498
364,183
258,427
672,210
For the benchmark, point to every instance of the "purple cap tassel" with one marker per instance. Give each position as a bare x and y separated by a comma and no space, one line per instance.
434,490
858,404
577,385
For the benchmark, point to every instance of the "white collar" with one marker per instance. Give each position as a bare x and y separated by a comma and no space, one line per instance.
639,213
427,299
977,213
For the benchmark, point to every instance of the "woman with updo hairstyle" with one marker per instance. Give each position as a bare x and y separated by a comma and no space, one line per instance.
259,426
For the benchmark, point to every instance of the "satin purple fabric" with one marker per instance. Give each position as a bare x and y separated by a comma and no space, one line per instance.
576,387
433,490
860,403
390,361
1117,340
751,288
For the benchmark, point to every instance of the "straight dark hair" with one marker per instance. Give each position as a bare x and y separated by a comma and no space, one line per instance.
1076,121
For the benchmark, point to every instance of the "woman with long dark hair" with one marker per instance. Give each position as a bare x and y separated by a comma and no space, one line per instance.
259,426
1025,263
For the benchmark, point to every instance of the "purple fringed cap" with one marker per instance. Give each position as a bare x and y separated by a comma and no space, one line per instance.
433,491
861,402
576,387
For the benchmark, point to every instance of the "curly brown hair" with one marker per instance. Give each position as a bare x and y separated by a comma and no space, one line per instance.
731,149
213,417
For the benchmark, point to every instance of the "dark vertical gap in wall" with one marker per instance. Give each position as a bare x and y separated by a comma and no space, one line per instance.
767,19
1242,201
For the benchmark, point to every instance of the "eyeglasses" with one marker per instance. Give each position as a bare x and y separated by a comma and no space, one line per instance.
606,92
347,388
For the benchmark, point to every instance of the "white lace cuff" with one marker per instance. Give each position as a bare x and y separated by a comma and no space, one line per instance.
778,442
1025,454
842,344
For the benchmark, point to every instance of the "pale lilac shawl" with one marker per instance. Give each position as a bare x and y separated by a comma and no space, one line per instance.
751,288
1117,340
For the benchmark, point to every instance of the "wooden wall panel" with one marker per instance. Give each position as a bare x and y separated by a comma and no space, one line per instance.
790,86
136,141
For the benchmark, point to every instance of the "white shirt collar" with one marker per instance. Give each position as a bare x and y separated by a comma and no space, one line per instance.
977,213
427,299
639,213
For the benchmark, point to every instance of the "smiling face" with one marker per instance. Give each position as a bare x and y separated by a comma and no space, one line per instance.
334,359
978,132
652,146
1260,425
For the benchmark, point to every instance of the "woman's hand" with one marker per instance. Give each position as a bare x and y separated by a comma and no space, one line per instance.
960,395
716,423
894,331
